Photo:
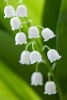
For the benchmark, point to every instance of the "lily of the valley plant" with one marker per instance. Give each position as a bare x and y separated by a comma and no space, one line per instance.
34,56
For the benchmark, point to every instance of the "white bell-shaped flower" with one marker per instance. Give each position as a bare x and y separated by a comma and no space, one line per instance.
47,34
21,11
53,55
25,58
35,56
9,11
50,88
36,79
33,32
15,23
20,38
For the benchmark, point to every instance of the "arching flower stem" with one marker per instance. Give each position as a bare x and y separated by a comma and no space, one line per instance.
29,22
44,47
49,76
26,48
39,26
37,64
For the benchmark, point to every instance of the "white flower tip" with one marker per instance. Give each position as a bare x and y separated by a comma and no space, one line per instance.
16,43
15,23
25,58
33,32
47,34
4,16
20,38
50,93
13,29
60,57
9,11
20,61
30,37
37,79
21,43
35,56
45,40
37,84
50,88
53,55
21,11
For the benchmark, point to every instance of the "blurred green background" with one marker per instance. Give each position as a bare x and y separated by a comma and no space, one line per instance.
14,77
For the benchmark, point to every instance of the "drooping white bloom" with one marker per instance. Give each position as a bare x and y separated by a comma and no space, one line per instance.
21,11
33,32
35,56
47,34
50,88
25,57
53,55
36,79
15,23
9,11
20,38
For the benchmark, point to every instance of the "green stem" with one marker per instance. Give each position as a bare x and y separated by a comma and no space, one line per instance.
26,48
49,76
44,47
38,65
39,26
33,45
49,68
19,29
29,22
53,65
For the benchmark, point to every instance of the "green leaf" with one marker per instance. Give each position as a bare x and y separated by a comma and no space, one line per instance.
61,68
12,87
50,18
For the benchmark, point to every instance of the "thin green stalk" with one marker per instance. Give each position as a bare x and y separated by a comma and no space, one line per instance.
49,75
50,69
37,65
26,48
39,26
44,47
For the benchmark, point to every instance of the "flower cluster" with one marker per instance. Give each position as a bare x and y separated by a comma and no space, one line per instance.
34,56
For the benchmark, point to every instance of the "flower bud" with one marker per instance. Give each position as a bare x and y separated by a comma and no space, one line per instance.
21,11
9,12
20,38
25,57
15,23
33,32
47,34
35,56
50,88
36,79
53,55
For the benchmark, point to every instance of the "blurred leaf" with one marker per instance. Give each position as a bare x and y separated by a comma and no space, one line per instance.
50,18
51,13
61,68
12,87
